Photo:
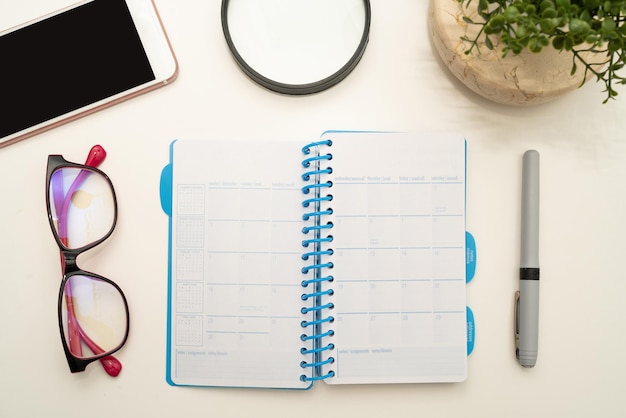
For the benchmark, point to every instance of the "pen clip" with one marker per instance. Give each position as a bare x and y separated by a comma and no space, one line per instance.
516,324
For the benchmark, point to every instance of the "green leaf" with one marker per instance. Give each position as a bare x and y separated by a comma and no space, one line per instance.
495,24
615,45
585,15
547,25
488,43
558,42
511,14
534,45
517,48
608,25
591,4
579,27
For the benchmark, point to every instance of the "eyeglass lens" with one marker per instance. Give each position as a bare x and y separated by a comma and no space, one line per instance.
84,206
94,313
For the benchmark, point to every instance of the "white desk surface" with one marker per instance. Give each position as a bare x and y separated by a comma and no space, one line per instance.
399,85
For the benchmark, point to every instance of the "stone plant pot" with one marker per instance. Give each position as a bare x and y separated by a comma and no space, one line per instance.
522,80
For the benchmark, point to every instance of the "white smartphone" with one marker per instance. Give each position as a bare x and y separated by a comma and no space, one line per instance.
76,60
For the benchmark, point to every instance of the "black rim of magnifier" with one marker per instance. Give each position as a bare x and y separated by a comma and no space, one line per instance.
299,89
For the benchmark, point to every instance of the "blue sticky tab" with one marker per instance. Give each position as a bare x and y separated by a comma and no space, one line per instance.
470,257
471,330
166,189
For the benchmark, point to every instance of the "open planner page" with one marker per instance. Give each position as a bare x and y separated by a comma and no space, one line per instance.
399,258
235,274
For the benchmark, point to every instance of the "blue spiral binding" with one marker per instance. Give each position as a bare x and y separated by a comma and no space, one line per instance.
317,279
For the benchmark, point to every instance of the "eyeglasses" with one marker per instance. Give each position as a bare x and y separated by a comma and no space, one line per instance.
92,310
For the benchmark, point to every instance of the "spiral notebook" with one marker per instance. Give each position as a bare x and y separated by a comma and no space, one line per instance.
341,260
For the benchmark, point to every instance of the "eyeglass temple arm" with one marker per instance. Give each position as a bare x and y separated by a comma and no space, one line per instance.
111,365
62,201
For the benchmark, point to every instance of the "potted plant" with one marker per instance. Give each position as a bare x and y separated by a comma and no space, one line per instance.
588,35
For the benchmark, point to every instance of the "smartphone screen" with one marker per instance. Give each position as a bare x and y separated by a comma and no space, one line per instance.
70,60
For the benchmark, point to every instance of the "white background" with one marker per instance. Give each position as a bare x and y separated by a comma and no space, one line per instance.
399,85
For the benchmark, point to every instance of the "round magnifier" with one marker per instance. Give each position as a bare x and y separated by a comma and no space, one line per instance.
296,46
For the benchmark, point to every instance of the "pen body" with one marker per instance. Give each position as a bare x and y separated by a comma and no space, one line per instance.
528,308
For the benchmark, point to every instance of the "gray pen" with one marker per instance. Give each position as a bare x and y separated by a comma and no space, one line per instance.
527,298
